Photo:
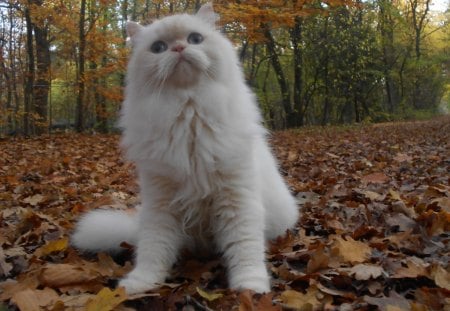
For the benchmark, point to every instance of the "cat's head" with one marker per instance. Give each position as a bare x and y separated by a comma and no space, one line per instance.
178,50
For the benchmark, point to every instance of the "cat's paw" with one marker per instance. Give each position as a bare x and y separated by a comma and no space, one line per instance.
136,285
257,284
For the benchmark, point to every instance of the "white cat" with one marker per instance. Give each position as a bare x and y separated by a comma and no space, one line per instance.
207,178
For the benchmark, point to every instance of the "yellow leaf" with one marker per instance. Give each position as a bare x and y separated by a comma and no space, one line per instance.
441,277
394,195
304,302
106,299
209,296
53,246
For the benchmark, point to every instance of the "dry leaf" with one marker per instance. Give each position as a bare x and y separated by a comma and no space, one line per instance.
106,299
414,267
441,276
319,260
349,250
34,200
246,301
5,267
34,299
394,302
299,301
53,246
207,295
364,272
376,178
58,275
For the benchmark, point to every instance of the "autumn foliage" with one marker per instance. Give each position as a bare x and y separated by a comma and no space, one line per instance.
373,234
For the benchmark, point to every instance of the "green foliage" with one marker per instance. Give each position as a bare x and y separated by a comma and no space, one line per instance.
357,65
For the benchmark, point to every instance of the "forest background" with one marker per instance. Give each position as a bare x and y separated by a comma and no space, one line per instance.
62,63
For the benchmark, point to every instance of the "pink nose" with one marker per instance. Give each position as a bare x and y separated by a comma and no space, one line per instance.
178,48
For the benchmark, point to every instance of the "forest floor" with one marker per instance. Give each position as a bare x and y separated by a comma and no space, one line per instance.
374,232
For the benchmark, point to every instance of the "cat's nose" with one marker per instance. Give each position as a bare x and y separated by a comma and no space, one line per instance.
178,48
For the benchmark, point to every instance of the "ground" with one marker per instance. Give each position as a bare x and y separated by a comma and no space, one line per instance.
373,235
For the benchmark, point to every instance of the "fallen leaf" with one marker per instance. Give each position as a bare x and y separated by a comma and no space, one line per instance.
349,250
364,272
245,301
319,260
413,268
106,300
5,267
266,303
375,178
401,157
441,276
394,302
57,275
34,200
53,246
34,299
208,295
299,301
394,195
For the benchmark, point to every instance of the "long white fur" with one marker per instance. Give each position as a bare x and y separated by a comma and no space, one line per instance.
207,176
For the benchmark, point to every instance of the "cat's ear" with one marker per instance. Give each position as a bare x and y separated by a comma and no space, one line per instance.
133,29
206,13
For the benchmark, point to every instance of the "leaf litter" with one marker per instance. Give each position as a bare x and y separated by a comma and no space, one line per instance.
373,235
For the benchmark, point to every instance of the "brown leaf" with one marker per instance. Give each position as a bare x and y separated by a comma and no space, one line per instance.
414,267
5,267
34,299
394,302
319,260
375,178
58,275
246,301
441,276
299,301
401,157
350,251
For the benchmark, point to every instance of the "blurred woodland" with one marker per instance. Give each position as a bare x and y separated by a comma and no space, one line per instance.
62,63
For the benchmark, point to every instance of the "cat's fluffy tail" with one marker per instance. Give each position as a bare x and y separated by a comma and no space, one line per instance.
105,230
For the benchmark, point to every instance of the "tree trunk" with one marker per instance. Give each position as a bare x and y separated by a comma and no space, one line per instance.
418,20
79,122
296,38
8,83
326,105
42,87
29,78
282,81
389,59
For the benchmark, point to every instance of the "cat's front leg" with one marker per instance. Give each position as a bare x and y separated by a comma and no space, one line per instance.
239,234
157,250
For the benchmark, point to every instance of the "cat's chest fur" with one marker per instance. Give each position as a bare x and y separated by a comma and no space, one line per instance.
192,135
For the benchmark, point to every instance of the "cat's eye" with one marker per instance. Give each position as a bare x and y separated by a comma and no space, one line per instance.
195,38
158,47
